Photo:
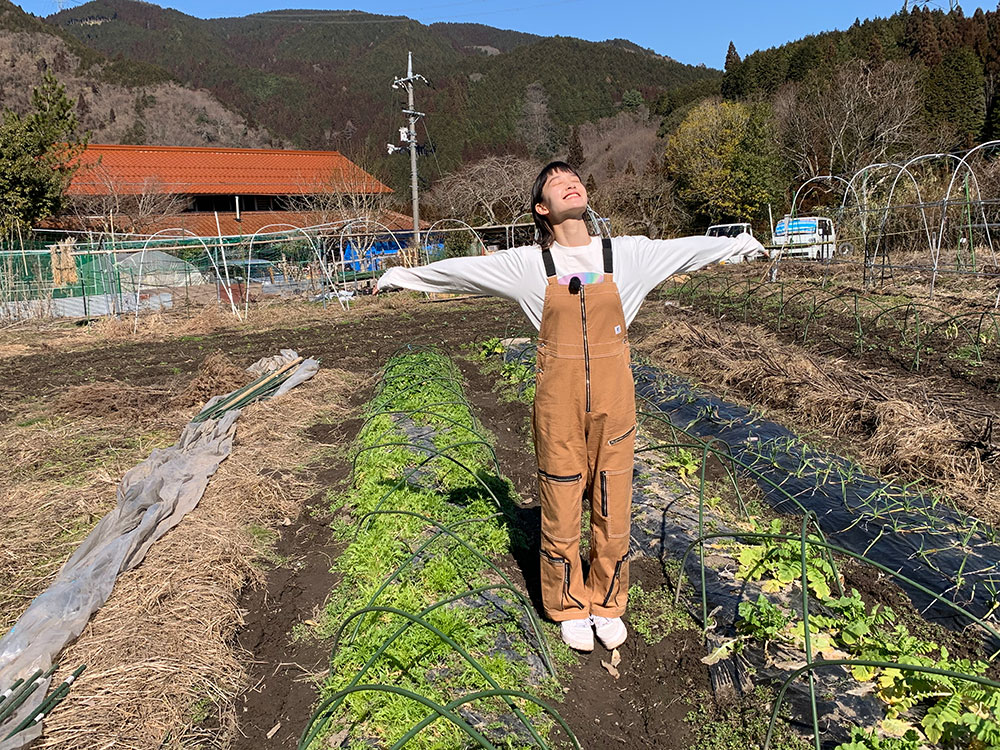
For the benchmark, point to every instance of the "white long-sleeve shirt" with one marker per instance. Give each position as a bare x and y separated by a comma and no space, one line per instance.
518,274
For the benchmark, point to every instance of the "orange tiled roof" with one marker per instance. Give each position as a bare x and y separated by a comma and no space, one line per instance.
134,170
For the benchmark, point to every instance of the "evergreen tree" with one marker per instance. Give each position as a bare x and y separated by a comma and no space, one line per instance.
632,99
734,79
629,168
732,58
610,168
928,46
37,151
876,52
955,98
591,184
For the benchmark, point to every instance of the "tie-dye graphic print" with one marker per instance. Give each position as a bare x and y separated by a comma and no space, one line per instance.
588,277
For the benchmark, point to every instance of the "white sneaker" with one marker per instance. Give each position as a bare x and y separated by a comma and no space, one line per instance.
578,634
610,630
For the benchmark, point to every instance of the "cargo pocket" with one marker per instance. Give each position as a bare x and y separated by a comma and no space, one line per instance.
555,584
560,478
616,502
561,506
616,440
619,585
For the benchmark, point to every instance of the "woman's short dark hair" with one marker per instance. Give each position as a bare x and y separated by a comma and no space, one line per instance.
543,226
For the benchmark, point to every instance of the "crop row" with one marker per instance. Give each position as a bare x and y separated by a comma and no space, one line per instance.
433,643
907,331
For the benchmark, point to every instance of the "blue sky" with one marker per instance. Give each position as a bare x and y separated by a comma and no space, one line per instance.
692,32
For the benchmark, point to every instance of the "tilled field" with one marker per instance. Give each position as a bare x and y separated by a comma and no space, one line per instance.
258,650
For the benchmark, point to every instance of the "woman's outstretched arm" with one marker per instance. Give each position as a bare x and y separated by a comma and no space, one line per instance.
499,275
661,259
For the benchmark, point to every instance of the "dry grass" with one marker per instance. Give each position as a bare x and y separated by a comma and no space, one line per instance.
888,423
118,401
161,659
57,478
160,653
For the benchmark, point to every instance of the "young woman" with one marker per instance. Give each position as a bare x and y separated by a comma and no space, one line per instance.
582,293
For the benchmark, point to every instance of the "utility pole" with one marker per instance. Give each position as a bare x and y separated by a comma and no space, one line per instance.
409,136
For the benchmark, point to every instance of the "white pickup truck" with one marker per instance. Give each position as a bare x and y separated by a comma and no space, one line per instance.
733,230
805,237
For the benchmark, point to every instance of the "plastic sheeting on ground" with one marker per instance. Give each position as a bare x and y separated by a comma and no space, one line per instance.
153,497
921,537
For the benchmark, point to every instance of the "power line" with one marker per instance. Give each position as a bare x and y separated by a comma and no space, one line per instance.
329,13
319,20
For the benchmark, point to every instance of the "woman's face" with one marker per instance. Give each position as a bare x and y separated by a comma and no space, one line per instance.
563,197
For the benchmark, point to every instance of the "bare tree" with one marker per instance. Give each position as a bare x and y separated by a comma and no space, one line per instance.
494,190
860,115
353,194
124,208
644,203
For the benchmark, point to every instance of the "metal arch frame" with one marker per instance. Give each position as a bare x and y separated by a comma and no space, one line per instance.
142,257
598,221
514,223
901,169
817,178
963,161
795,199
468,226
364,220
934,246
293,229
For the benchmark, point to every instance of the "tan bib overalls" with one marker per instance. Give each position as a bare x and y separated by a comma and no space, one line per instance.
584,425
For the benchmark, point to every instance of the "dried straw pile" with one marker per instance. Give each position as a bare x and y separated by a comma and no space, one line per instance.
57,478
162,664
216,375
63,264
892,424
118,401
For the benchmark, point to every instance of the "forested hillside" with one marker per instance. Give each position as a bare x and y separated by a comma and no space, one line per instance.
322,79
119,100
954,58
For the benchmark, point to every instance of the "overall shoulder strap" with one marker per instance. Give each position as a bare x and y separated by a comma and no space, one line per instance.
608,264
550,266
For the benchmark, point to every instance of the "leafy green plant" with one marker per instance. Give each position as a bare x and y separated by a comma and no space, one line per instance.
740,726
762,619
779,563
490,348
438,523
521,376
869,739
683,462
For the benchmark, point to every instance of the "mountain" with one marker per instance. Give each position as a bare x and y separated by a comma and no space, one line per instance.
322,79
118,100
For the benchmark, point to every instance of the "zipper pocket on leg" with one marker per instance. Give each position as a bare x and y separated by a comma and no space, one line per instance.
562,561
604,494
615,441
614,580
560,477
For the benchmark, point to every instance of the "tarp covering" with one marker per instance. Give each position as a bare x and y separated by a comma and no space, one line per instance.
153,497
